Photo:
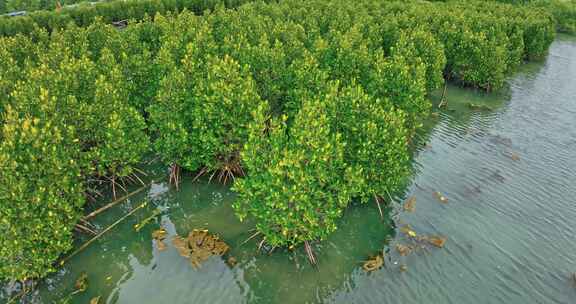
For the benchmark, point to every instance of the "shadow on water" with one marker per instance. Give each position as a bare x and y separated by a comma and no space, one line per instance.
505,162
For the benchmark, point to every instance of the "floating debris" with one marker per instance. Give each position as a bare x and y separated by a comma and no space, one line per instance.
441,197
574,278
407,230
80,286
95,300
159,235
436,241
199,246
403,268
147,220
181,245
500,140
477,106
374,263
403,250
419,241
514,156
160,245
204,245
81,283
232,261
198,257
410,204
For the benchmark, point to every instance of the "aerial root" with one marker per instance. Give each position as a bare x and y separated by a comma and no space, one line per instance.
228,172
251,237
114,184
114,203
377,200
261,244
175,175
202,172
310,254
84,229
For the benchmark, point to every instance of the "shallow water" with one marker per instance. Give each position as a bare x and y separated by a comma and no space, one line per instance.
509,173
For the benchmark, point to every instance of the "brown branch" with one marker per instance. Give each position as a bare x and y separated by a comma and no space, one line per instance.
85,245
261,244
116,202
251,237
377,200
83,228
441,104
310,254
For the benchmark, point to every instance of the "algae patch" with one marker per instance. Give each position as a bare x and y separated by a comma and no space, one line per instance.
374,263
199,246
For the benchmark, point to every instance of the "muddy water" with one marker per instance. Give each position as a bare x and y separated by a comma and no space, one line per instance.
507,168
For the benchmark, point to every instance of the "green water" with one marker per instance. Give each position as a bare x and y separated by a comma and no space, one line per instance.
510,223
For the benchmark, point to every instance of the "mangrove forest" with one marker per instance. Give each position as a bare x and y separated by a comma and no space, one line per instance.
287,151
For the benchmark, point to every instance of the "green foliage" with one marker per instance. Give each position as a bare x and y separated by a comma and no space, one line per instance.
375,140
92,97
67,118
41,194
317,101
515,46
482,40
33,5
304,171
420,45
109,11
202,111
118,140
298,182
476,58
538,35
402,81
564,12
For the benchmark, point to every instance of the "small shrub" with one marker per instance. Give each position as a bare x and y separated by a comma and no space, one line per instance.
402,81
118,140
421,44
375,140
202,112
298,182
538,35
41,194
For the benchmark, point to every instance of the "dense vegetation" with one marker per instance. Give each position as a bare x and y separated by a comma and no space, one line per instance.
564,11
315,102
33,5
85,14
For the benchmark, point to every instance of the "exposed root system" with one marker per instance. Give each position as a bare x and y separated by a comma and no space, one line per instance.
228,169
377,200
310,254
175,175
